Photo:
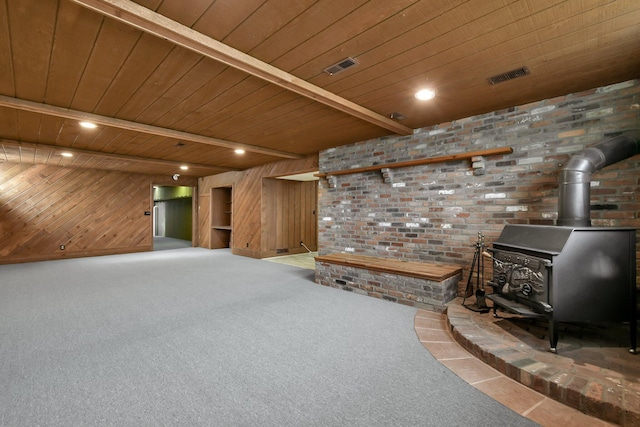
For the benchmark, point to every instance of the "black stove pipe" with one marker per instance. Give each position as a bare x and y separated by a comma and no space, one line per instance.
575,178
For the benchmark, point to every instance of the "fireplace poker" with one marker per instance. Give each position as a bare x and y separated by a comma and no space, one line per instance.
477,269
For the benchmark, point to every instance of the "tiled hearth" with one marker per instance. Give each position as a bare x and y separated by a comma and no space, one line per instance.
508,360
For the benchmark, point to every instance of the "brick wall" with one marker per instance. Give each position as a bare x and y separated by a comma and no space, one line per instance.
434,212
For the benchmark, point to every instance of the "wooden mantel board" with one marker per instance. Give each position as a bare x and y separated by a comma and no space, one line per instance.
418,162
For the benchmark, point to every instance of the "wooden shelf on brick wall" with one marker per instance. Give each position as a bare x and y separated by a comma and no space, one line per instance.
418,162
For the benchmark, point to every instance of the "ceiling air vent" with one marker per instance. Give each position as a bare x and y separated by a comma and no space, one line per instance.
340,66
509,75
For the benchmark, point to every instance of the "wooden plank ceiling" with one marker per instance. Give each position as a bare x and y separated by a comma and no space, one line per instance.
184,82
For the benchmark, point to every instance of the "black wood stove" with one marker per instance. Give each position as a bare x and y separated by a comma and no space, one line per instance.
571,272
567,274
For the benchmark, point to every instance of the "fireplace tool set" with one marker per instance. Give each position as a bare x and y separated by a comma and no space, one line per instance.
477,270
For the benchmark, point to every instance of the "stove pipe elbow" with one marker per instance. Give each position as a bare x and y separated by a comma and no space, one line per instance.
575,178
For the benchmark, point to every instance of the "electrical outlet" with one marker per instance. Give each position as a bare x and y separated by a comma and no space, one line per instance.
62,247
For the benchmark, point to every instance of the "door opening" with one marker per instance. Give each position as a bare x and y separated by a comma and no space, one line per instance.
172,217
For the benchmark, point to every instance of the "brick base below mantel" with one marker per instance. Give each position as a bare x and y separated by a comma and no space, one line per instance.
411,291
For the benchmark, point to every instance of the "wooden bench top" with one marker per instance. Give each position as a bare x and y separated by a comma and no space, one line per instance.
436,272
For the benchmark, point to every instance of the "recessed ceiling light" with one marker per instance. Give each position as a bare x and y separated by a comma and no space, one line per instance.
184,168
425,94
65,154
239,151
88,125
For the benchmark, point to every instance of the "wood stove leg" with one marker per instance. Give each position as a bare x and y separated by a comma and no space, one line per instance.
495,310
633,334
633,316
553,336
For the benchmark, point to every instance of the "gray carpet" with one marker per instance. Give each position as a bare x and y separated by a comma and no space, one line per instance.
162,243
193,337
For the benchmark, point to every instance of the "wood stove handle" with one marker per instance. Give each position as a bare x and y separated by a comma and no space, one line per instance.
547,307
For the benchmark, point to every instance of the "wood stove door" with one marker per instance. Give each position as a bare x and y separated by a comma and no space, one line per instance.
522,278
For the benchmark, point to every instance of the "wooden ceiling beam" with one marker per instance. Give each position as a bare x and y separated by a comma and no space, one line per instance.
100,154
154,23
51,110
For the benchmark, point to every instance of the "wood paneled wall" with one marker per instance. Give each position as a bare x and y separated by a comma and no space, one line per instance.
251,228
204,202
89,211
289,216
204,220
